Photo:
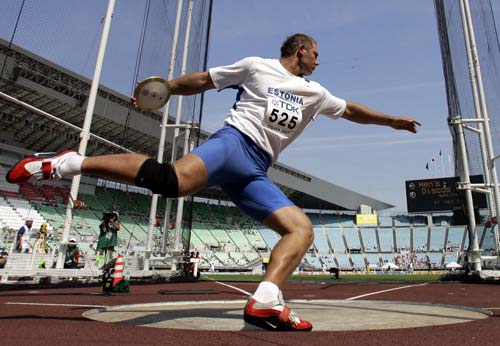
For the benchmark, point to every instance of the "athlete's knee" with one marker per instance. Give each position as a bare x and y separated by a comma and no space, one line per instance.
160,178
304,228
308,234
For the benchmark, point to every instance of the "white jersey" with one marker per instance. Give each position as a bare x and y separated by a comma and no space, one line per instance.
26,242
273,106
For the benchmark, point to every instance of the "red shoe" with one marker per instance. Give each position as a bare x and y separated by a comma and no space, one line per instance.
277,318
36,168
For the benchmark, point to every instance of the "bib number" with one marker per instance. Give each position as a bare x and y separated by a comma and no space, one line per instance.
282,116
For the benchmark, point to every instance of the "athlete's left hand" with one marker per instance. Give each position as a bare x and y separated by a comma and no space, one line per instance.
403,123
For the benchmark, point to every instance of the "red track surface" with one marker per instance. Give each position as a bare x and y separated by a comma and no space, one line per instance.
58,325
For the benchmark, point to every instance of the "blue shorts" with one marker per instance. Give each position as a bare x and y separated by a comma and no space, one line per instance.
239,167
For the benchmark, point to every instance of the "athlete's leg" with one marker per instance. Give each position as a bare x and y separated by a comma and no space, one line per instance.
186,176
122,167
264,201
192,174
190,170
267,308
297,236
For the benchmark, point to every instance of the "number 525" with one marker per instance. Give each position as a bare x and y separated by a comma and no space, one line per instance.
283,119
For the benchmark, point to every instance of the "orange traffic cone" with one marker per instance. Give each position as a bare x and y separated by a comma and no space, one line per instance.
118,272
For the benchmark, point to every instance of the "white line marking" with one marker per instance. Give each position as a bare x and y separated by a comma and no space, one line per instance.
491,308
391,289
234,288
48,304
230,286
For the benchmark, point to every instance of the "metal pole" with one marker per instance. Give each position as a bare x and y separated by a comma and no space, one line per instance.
469,45
463,167
490,164
85,134
166,227
180,201
163,135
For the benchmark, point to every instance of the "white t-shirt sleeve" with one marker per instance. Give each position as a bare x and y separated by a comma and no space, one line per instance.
234,74
332,106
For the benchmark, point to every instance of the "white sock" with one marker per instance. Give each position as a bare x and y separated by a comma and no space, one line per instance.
71,166
267,293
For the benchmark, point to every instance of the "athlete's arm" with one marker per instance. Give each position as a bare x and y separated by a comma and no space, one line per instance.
363,115
190,84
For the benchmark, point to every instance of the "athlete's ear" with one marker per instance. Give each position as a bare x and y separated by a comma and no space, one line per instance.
301,51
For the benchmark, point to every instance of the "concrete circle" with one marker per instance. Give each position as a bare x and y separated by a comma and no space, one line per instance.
325,315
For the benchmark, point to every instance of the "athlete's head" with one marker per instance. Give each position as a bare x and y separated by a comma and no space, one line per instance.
305,49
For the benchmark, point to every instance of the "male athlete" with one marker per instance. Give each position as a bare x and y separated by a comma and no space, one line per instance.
273,105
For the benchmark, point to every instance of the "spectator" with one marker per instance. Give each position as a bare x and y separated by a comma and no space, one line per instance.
265,263
23,237
108,235
72,255
3,258
43,246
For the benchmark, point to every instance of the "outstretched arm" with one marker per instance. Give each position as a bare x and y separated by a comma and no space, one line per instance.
190,84
363,115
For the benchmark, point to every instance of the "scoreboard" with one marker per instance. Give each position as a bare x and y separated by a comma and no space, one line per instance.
440,194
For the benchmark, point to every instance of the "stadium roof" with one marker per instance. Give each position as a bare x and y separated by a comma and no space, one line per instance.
63,94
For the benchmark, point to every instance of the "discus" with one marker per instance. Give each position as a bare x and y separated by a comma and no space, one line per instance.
152,93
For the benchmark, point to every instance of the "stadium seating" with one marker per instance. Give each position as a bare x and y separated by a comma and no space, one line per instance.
269,236
320,240
358,261
16,211
386,239
255,239
369,239
343,261
420,238
335,236
352,239
328,261
437,238
373,260
312,262
403,238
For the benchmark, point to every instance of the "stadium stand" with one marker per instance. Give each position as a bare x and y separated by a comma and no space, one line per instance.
403,237
321,241
373,260
369,237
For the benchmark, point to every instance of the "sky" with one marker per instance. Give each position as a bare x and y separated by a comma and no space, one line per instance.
383,54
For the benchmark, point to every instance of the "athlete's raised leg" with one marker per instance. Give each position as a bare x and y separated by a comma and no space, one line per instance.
186,176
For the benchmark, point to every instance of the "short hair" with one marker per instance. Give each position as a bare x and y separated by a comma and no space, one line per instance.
294,42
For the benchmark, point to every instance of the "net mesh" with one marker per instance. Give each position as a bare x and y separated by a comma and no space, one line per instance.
460,92
65,35
456,68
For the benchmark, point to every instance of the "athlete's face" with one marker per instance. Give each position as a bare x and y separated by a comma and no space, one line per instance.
308,59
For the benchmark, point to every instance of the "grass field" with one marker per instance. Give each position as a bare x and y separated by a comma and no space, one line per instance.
378,278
